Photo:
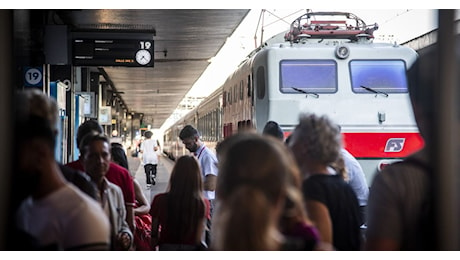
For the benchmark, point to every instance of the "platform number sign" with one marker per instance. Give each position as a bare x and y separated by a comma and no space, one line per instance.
33,77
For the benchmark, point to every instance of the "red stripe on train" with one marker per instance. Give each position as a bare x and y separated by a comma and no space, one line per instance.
381,145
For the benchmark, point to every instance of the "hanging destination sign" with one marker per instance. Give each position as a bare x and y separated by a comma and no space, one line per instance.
103,50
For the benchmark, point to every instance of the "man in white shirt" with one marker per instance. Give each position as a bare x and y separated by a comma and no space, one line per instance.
207,159
149,148
208,163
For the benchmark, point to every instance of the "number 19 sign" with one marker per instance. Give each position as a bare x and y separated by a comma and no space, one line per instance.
33,77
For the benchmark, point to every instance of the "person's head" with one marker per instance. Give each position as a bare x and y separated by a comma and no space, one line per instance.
423,81
186,176
190,138
148,134
186,206
315,140
34,149
35,131
118,155
95,153
87,127
254,173
273,129
35,102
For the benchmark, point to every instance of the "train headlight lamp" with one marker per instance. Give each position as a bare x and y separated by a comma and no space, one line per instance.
342,52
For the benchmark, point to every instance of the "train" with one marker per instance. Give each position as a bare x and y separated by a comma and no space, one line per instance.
326,63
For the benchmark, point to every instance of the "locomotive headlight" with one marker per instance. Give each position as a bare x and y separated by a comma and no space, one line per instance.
342,52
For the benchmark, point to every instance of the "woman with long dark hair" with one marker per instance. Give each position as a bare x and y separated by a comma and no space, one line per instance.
178,215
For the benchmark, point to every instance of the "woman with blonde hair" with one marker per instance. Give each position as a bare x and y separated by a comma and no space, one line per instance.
179,215
254,174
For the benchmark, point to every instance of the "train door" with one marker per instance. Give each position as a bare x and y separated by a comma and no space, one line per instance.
80,102
58,92
261,96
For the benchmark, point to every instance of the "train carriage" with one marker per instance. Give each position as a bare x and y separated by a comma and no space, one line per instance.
326,66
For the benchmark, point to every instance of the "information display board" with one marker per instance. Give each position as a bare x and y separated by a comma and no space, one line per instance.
112,49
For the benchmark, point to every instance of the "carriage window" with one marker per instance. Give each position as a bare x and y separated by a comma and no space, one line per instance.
249,86
387,76
241,90
317,76
260,83
229,96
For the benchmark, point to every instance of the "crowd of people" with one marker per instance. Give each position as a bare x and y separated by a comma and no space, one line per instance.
259,191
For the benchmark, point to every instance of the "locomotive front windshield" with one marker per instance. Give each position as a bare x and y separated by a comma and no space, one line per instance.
317,76
383,76
320,76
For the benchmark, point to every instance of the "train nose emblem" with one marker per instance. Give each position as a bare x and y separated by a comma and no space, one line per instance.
394,145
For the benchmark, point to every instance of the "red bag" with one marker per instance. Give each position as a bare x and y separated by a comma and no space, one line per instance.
143,231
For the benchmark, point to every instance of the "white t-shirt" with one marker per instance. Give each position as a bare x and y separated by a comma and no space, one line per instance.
66,219
149,155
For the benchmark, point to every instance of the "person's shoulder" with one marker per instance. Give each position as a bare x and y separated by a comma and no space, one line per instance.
76,198
160,197
115,168
75,165
208,152
401,173
410,165
71,173
86,214
114,187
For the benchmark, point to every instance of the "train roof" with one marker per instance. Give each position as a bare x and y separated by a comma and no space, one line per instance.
321,27
330,25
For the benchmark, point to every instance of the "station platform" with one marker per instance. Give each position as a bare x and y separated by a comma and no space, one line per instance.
164,168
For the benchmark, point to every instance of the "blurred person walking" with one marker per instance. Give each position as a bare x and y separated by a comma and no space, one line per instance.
37,103
255,174
402,213
55,215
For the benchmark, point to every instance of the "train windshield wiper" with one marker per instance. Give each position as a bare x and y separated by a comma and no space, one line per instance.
305,92
375,91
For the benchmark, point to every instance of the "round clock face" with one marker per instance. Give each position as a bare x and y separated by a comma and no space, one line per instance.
143,57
